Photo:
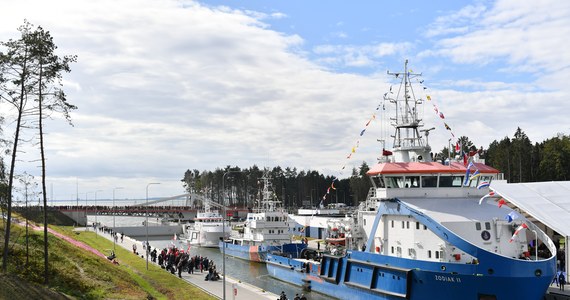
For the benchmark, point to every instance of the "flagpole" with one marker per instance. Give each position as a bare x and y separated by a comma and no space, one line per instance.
449,152
535,245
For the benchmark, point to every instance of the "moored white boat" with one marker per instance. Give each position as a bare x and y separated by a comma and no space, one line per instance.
207,229
265,230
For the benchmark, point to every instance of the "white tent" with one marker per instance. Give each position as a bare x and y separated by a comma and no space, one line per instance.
547,202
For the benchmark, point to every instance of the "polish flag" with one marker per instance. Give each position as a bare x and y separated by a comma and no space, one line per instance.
523,226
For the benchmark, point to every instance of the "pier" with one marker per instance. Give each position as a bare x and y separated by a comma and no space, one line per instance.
235,289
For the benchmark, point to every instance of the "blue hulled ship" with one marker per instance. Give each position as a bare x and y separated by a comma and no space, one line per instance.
428,230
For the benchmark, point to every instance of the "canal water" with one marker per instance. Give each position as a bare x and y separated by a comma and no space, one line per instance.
246,271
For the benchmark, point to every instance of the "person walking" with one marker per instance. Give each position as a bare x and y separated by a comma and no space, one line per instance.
191,266
182,263
555,279
562,280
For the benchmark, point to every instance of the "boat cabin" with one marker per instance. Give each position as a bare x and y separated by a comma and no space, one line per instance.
428,179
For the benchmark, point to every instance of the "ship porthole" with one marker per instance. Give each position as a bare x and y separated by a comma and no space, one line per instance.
443,268
538,272
490,271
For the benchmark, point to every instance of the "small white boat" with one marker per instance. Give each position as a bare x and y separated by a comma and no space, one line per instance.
207,229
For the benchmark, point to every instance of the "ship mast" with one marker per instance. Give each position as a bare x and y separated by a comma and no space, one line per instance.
268,201
408,143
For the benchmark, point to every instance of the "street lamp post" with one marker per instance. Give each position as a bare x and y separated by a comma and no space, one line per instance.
114,212
86,199
96,212
146,223
224,228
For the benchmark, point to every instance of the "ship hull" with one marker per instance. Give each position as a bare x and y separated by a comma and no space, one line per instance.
362,275
204,239
259,253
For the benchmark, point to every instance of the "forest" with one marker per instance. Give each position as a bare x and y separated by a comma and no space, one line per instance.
517,158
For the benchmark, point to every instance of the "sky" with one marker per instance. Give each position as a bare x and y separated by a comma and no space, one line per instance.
163,86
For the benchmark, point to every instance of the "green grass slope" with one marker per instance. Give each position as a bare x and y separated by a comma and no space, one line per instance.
76,273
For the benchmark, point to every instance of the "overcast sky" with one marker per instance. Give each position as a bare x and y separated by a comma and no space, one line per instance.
164,86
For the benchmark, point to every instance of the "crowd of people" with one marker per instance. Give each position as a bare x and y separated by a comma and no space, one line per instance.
283,296
176,260
109,230
172,259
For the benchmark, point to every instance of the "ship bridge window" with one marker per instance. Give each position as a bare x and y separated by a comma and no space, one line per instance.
412,181
487,225
450,181
473,182
395,181
429,181
478,226
486,178
378,181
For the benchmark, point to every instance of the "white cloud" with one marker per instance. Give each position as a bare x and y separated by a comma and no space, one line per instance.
165,86
456,23
358,56
526,34
162,88
519,41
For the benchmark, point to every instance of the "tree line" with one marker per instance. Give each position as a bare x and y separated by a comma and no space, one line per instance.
517,158
522,161
295,188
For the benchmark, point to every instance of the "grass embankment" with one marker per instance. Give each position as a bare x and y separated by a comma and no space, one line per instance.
80,274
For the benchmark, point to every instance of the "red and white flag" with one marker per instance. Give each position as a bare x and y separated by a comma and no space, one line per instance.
523,226
490,194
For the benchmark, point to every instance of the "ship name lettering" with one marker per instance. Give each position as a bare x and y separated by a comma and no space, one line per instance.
447,278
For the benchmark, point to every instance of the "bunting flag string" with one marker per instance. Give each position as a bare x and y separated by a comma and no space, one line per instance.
441,115
483,185
502,202
511,216
469,177
519,229
490,194
353,150
362,132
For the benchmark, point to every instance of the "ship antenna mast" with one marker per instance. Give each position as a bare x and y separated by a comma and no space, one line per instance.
407,139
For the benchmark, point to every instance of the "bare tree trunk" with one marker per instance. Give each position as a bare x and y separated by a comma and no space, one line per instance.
27,245
13,163
40,96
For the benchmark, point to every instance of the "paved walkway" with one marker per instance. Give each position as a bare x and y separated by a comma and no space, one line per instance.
243,290
555,291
